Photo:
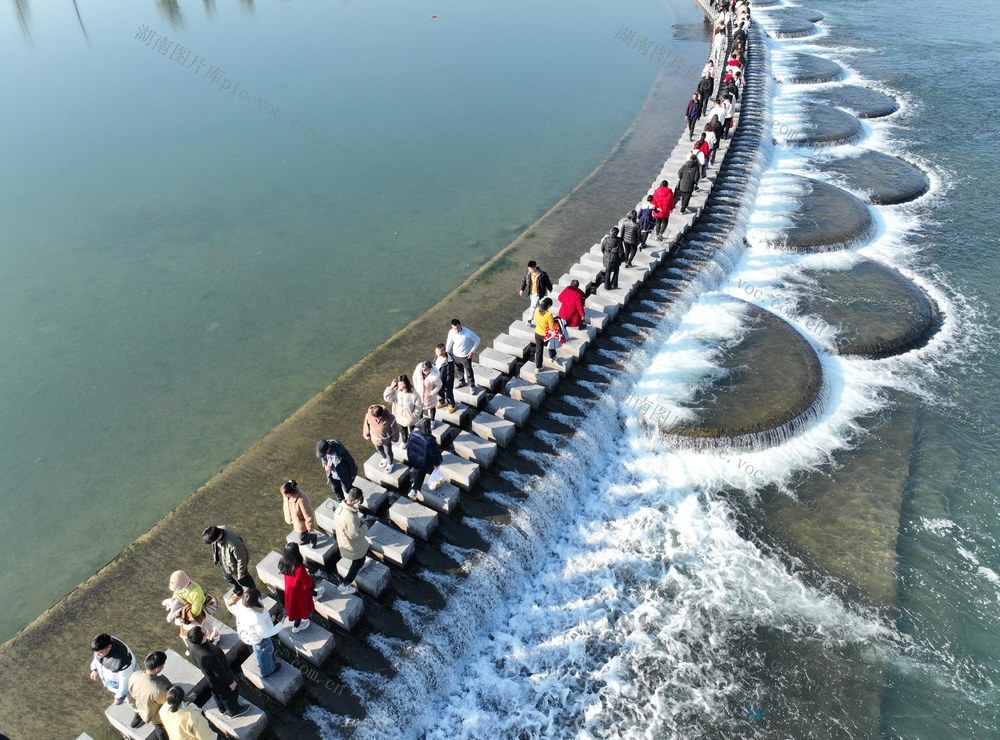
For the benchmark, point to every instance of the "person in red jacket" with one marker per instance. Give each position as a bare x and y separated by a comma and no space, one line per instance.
663,204
571,308
300,590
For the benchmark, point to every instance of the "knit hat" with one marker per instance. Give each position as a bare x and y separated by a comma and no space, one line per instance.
178,580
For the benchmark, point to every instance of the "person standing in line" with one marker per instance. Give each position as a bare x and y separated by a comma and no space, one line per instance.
352,534
630,237
380,428
719,111
687,177
715,126
545,331
300,589
536,282
713,143
728,111
611,249
424,455
338,464
213,663
646,220
702,151
406,405
196,607
231,556
427,384
184,721
256,628
692,113
706,86
663,203
461,344
147,692
445,365
112,664
298,512
571,304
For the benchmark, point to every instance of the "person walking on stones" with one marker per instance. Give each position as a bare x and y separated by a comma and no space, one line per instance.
702,150
728,111
298,512
231,556
256,628
147,692
630,237
300,589
461,344
537,284
112,664
445,365
189,605
338,464
427,384
184,721
352,535
380,428
612,251
663,204
715,126
571,304
646,220
706,86
545,331
406,404
713,143
213,663
424,455
687,177
692,113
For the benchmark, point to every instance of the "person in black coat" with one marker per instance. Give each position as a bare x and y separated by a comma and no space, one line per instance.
423,454
687,177
631,237
613,250
338,464
537,284
212,662
706,86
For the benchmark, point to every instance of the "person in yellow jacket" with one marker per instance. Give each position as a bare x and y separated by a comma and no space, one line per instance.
545,329
183,721
187,607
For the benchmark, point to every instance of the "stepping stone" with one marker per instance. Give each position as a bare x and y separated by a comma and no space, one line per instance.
282,685
84,736
373,578
271,606
314,643
509,409
390,546
489,378
267,572
343,610
443,432
521,390
413,518
545,377
590,259
481,451
394,480
512,346
324,552
398,454
601,302
620,295
249,726
497,360
562,363
182,672
585,273
230,644
474,396
120,716
459,472
521,330
457,418
488,426
583,333
373,496
574,347
444,500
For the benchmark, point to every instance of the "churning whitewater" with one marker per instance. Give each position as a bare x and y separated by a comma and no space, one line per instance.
625,599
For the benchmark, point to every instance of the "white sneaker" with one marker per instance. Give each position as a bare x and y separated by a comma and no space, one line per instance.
389,467
383,463
411,494
319,593
347,588
303,625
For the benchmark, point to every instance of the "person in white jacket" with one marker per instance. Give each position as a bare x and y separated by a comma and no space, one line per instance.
256,628
113,662
427,383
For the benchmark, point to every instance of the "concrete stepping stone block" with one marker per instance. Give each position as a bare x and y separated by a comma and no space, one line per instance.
583,333
315,644
490,378
509,409
271,606
373,578
342,610
495,359
396,479
573,348
373,496
84,736
521,390
322,554
602,302
457,418
413,518
511,345
389,545
267,572
282,685
596,318
459,472
249,726
443,432
472,447
521,330
590,259
230,644
562,363
488,426
585,273
120,716
473,396
182,672
546,377
444,499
